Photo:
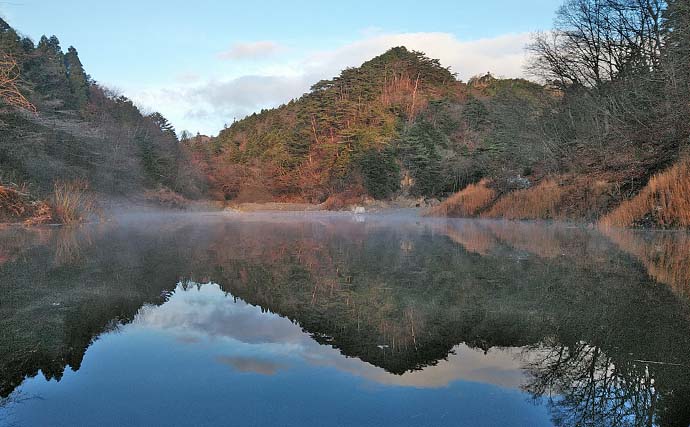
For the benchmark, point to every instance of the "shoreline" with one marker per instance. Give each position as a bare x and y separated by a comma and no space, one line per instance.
119,208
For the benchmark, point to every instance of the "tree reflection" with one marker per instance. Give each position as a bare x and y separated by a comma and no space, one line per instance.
604,344
586,387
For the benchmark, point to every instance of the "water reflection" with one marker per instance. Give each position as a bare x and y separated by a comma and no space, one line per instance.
592,326
261,341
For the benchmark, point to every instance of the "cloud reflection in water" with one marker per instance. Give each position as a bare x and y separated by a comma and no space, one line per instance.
262,342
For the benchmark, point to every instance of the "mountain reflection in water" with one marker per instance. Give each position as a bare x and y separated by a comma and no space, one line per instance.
335,320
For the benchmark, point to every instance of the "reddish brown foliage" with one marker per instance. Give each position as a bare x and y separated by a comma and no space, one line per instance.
16,205
167,198
336,202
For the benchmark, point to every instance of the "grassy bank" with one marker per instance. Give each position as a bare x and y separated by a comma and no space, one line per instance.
663,203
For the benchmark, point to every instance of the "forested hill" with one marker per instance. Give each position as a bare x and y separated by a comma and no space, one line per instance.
357,133
401,124
57,124
605,136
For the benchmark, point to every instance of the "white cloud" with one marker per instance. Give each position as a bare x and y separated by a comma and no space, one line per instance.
208,105
251,50
503,55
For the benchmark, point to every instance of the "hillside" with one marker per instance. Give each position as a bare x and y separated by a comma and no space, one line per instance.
582,145
71,129
328,141
400,123
574,148
403,125
615,135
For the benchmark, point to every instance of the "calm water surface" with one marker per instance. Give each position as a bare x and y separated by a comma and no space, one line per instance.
342,320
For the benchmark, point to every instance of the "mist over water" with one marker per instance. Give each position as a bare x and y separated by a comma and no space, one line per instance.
342,319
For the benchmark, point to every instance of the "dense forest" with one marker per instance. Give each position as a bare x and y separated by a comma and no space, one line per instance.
600,133
60,129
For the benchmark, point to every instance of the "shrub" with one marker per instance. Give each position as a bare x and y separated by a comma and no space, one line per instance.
16,205
72,202
167,198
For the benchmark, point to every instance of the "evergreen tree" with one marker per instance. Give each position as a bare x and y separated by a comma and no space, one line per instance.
380,171
10,43
78,80
421,158
4,26
47,70
163,124
475,114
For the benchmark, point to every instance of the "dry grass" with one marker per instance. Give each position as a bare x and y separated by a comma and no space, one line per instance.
466,203
664,202
538,202
13,203
72,202
562,197
17,205
42,214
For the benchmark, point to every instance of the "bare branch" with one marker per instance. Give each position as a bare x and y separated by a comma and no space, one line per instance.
9,79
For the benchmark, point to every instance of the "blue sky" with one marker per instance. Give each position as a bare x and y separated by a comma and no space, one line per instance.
206,62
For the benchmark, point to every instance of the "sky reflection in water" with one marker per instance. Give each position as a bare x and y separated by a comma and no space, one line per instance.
342,320
204,357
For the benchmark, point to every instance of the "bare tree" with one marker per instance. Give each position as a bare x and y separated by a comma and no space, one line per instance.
9,79
599,40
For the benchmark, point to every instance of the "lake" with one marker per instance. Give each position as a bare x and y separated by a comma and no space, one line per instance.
339,319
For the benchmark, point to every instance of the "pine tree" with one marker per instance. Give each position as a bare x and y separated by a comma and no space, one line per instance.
47,69
78,80
10,43
420,157
380,171
163,124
